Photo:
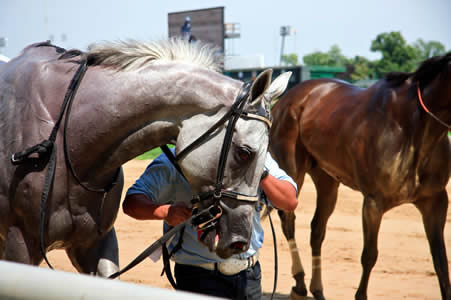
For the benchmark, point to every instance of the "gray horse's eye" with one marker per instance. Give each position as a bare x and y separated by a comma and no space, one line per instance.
244,153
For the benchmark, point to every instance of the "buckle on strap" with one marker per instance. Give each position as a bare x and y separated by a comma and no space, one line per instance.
14,161
41,149
204,219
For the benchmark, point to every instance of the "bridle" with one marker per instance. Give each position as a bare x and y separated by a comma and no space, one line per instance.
232,116
420,99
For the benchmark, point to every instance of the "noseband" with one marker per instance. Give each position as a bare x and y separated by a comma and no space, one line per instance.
232,116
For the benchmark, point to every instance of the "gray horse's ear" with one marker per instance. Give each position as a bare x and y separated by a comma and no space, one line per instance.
260,84
277,87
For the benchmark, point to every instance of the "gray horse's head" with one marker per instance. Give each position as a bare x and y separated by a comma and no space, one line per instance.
243,168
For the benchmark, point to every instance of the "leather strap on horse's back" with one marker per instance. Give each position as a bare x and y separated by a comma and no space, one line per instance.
45,146
48,147
48,183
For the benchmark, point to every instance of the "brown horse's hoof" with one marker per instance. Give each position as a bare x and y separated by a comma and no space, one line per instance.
295,296
318,295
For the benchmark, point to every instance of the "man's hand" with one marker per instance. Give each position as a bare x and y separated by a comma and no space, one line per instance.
140,207
177,214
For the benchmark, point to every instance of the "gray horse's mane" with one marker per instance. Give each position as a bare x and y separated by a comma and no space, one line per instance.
132,55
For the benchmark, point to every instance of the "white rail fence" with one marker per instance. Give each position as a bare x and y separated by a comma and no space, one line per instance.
18,281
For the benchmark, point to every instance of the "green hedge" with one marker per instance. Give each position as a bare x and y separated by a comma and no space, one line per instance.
152,153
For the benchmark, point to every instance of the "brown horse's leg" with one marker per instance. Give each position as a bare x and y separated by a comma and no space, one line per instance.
292,157
100,259
18,248
371,217
326,191
286,160
434,211
297,270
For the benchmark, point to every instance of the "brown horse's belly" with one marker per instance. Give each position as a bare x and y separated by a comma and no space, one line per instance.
339,174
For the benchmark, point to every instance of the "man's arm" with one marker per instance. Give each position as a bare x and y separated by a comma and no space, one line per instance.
140,207
281,193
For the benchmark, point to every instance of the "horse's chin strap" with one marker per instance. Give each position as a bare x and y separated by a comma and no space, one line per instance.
427,110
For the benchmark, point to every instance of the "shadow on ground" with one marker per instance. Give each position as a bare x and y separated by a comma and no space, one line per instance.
277,296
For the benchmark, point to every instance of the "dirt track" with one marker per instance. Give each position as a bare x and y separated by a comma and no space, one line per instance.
404,268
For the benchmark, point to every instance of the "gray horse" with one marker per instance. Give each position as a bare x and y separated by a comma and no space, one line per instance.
133,97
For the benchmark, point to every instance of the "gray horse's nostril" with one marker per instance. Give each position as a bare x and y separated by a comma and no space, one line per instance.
238,246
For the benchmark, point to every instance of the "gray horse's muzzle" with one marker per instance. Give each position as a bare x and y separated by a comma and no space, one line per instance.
229,229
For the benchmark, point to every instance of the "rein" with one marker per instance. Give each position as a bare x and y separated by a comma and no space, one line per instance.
197,219
427,110
48,147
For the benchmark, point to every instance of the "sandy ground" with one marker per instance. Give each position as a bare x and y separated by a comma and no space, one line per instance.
404,269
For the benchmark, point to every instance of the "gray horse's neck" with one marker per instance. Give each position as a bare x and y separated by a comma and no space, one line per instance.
130,113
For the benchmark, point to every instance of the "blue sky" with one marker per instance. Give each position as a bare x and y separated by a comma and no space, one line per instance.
351,24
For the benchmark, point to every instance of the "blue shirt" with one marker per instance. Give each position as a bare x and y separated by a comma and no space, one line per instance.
163,184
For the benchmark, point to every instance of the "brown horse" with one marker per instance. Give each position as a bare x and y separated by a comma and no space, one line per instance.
381,141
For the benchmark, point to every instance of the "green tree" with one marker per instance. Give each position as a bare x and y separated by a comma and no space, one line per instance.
333,58
337,58
316,58
429,49
290,59
362,68
397,55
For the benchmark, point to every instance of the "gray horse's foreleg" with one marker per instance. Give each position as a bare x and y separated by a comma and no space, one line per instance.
434,211
17,248
109,255
101,259
371,217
